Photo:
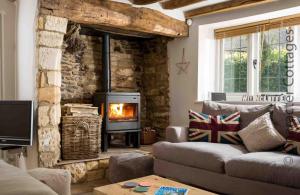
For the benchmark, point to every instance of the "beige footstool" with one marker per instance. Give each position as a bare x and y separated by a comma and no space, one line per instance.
129,166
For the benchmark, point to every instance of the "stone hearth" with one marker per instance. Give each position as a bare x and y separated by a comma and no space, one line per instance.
138,65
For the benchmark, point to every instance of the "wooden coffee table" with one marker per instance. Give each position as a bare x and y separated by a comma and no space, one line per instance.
156,181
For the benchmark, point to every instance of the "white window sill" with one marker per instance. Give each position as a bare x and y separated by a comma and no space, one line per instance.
238,100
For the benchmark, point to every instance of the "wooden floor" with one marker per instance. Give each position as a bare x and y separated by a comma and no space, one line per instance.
87,187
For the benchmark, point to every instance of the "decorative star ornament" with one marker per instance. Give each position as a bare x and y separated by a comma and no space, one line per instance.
183,65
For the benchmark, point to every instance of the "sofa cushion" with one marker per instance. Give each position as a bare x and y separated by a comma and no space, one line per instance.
216,129
14,181
293,140
248,112
203,155
261,135
281,115
57,179
271,167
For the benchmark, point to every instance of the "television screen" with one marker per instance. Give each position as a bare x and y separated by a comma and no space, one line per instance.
15,123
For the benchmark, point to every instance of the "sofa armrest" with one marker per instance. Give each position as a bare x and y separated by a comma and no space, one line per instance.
58,180
176,134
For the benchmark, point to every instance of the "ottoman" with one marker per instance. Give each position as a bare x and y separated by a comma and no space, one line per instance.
129,166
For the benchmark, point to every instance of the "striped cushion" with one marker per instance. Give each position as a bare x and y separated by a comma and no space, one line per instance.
216,129
293,140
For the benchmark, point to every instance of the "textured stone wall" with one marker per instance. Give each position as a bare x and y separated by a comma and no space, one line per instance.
80,80
137,65
156,84
126,65
51,32
87,171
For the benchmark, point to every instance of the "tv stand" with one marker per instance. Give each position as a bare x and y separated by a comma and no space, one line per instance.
10,147
17,149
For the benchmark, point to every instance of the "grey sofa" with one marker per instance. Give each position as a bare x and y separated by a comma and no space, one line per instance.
226,168
40,181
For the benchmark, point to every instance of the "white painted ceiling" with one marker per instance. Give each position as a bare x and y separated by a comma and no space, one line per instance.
176,13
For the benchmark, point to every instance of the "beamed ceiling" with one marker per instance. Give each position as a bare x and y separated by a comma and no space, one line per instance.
193,8
136,17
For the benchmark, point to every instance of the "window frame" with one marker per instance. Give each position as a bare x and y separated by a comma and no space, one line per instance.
220,62
258,78
253,74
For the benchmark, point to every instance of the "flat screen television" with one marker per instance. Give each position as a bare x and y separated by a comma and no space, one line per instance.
16,123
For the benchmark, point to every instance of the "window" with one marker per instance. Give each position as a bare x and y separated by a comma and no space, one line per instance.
235,64
254,63
273,61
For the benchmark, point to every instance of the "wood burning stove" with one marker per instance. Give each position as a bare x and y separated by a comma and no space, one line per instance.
121,114
120,111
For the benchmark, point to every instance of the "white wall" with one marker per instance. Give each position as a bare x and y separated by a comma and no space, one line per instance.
183,88
26,66
27,10
7,50
178,14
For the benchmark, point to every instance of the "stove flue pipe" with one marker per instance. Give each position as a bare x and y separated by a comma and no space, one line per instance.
106,63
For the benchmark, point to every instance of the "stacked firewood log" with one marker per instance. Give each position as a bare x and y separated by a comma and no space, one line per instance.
80,110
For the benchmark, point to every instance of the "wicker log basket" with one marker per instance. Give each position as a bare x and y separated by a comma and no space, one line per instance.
148,136
81,137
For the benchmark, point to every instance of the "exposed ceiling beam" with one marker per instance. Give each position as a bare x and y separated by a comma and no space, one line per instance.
222,7
117,16
174,4
143,2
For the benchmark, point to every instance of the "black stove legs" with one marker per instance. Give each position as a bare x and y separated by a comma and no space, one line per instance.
104,142
133,138
136,139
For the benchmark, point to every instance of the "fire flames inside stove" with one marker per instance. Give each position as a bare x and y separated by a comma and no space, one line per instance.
122,112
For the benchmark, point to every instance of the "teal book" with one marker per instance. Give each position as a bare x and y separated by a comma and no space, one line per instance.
165,190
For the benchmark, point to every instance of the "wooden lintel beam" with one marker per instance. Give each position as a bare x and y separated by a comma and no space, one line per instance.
115,15
222,7
174,4
143,2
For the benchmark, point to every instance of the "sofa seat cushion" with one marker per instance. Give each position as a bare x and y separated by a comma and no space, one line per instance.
203,155
14,181
271,167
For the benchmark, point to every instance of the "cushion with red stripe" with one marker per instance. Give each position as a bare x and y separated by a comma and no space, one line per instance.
216,129
293,140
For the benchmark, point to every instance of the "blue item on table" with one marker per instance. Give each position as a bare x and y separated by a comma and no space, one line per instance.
165,190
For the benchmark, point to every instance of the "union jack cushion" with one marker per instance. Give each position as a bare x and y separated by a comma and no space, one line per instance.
293,140
216,129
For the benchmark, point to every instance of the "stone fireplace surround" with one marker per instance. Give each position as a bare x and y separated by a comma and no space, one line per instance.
54,86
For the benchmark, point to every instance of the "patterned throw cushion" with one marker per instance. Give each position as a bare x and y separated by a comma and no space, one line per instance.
216,129
293,140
